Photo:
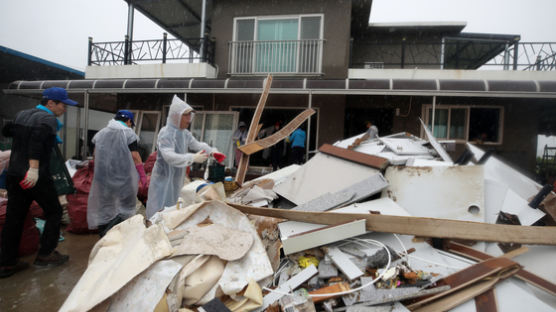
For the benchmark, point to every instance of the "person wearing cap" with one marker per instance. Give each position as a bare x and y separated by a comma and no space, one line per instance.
117,171
34,133
238,138
177,149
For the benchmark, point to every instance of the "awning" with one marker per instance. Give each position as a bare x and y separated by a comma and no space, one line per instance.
413,87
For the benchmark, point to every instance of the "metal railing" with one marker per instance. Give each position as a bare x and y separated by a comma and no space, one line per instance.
150,51
535,56
539,56
275,56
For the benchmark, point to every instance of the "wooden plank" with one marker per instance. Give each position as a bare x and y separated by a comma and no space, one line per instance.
360,158
454,299
330,289
267,142
251,134
486,302
470,282
522,274
424,227
322,236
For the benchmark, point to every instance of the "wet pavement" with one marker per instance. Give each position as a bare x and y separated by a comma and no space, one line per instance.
46,289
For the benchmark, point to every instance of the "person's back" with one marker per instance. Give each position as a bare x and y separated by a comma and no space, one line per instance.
298,138
113,192
34,136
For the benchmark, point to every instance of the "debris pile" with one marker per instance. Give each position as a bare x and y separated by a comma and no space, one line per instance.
388,224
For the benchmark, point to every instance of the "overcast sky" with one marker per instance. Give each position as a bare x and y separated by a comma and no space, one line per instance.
57,30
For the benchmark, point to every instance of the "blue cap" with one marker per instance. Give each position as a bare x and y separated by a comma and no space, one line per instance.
58,94
124,115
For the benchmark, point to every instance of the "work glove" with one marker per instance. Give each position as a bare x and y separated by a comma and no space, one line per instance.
142,176
30,178
200,157
218,156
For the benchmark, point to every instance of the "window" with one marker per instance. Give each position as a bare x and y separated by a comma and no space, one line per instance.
215,129
283,44
466,123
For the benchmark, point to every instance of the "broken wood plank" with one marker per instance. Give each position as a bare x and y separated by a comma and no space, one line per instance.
341,260
336,288
424,227
360,158
486,302
322,236
522,274
251,134
468,283
267,142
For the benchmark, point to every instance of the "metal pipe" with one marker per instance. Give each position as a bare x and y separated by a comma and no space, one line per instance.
164,44
130,11
203,21
77,128
90,51
309,128
516,54
442,51
506,57
86,125
433,109
65,135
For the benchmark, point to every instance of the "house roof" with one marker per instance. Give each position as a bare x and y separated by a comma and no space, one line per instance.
18,65
419,26
424,87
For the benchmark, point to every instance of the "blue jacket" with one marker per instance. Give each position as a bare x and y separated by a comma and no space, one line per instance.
297,138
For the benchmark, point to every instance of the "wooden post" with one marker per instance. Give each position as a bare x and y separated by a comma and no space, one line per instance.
252,133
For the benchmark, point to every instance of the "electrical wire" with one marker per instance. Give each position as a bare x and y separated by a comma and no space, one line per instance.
404,249
341,293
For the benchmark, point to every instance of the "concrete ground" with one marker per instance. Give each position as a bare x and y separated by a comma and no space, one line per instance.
47,289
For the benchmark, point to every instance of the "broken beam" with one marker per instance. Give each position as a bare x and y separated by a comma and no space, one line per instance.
251,134
357,157
425,227
267,142
522,274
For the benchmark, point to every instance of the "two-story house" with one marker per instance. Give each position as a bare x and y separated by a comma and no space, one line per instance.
323,54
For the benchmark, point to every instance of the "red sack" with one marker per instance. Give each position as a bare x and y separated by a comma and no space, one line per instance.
77,203
77,211
30,238
149,164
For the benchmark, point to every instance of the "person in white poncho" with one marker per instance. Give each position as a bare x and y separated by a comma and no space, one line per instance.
117,170
177,149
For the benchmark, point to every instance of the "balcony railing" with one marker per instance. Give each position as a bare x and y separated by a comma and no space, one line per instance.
276,56
539,56
151,51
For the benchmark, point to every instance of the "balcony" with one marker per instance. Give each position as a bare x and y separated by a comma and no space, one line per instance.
288,57
462,53
195,50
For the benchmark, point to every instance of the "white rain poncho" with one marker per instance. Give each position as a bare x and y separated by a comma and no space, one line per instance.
115,182
174,145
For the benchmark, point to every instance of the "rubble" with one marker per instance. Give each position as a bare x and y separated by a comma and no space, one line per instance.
376,227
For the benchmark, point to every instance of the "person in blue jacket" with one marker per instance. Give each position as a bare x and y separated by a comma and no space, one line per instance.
297,140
